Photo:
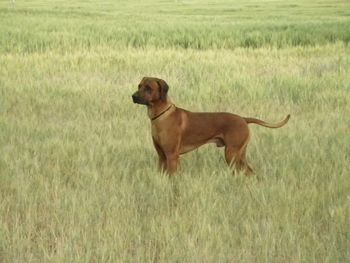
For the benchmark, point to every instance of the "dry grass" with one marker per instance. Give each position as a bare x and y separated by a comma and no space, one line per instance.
78,169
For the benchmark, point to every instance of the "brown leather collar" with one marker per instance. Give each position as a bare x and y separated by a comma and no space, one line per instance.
156,117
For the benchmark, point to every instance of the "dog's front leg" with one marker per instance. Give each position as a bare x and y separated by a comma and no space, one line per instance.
161,157
170,146
162,164
172,161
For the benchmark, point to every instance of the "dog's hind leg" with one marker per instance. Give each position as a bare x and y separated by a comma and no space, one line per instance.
231,154
235,156
243,164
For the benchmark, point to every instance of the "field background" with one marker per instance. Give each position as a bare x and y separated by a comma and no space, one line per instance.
78,177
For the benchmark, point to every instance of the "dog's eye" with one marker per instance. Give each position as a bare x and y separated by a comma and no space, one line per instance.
148,89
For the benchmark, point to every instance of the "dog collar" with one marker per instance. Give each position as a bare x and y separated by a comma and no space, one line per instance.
156,117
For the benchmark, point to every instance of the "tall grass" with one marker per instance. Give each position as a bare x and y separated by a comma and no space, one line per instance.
78,177
31,27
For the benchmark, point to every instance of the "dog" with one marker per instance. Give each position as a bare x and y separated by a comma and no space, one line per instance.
176,131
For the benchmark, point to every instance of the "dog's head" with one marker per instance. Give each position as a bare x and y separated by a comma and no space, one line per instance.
150,90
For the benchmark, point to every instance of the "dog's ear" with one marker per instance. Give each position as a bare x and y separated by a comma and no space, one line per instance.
163,89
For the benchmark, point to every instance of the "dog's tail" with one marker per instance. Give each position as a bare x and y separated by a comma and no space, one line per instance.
268,125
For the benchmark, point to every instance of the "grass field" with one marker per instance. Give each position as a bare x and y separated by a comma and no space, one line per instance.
78,172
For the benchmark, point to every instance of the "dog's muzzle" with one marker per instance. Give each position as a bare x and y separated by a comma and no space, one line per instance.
137,99
134,98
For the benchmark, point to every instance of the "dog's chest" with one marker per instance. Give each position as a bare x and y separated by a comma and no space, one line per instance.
154,132
158,133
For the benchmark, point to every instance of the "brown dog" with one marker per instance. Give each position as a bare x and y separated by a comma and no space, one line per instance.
176,131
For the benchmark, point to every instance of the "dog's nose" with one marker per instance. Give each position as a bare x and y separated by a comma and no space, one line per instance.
134,98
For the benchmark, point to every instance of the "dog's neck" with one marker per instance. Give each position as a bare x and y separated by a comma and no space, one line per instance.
159,109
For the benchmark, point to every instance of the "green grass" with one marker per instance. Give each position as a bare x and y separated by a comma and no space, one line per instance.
64,25
78,177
